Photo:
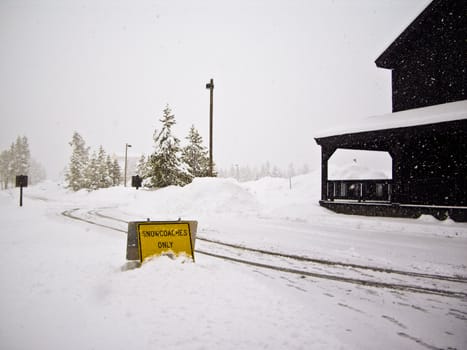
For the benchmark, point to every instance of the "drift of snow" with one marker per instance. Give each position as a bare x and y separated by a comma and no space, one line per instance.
65,284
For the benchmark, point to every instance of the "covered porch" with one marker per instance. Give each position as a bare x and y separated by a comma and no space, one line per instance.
429,165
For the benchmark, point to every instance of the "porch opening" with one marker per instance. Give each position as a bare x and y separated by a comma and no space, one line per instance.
359,175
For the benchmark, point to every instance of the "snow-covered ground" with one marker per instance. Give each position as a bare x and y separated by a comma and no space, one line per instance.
65,284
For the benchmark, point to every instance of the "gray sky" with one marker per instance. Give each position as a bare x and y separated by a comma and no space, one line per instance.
282,70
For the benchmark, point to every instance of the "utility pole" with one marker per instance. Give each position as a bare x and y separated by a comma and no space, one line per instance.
210,86
126,154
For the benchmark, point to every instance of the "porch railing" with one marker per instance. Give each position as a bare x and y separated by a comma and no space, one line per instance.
361,190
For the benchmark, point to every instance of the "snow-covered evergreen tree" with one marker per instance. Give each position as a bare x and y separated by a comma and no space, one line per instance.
11,168
75,176
103,169
195,155
17,161
98,170
114,171
142,168
164,165
19,158
5,157
22,156
91,173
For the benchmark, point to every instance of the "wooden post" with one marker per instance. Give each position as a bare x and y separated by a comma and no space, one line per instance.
326,153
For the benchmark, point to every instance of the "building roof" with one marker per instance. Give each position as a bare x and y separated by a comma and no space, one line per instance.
413,117
441,23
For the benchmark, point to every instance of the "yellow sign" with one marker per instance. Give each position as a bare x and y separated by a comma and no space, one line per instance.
157,238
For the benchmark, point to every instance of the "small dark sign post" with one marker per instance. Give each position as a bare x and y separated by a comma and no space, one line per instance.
136,181
21,181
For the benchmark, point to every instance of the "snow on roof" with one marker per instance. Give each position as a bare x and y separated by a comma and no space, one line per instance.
412,117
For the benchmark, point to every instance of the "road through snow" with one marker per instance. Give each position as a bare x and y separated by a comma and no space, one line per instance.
65,285
366,275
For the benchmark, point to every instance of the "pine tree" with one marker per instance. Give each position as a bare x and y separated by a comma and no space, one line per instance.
195,155
164,166
12,163
108,170
142,168
91,173
23,156
114,171
19,158
17,161
5,159
103,171
75,176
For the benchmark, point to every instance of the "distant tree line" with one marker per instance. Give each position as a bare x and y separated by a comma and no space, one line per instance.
248,173
17,161
169,164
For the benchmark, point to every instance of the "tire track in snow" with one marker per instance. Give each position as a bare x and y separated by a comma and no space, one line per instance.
457,279
69,214
364,282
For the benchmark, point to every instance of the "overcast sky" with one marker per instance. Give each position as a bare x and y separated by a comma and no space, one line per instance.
283,70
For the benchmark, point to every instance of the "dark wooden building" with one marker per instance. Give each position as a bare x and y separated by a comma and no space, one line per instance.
428,60
428,145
